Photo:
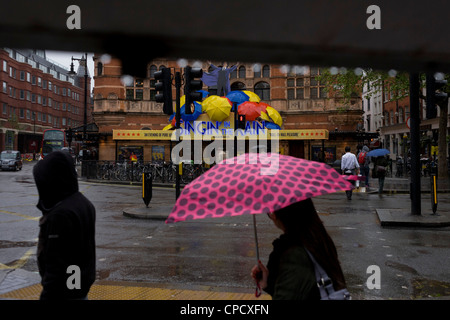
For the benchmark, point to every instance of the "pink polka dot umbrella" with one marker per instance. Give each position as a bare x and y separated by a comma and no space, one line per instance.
255,183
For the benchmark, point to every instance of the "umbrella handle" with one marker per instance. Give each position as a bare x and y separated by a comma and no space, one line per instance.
258,290
258,287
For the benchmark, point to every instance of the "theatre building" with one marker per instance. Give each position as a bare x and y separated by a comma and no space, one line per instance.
314,124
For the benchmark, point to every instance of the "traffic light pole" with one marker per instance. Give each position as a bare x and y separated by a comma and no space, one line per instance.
177,126
414,89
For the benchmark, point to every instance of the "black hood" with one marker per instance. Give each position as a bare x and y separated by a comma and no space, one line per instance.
56,179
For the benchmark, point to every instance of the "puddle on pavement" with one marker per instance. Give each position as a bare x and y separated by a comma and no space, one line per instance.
426,288
14,244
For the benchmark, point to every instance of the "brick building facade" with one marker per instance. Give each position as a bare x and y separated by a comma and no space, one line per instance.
300,99
36,95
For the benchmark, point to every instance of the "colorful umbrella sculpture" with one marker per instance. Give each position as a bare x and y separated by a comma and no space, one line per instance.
253,97
272,115
217,108
251,110
237,96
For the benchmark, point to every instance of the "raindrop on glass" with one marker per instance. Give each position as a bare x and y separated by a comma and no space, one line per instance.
392,73
358,71
182,63
439,76
256,67
105,58
334,70
126,80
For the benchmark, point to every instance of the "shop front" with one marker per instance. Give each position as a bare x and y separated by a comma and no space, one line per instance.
204,141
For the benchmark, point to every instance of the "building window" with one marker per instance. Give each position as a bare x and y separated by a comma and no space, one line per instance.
99,69
152,71
257,70
295,89
242,72
130,94
317,90
233,74
139,94
262,89
266,71
237,86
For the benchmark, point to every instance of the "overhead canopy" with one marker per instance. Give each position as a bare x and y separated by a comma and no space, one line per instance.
413,34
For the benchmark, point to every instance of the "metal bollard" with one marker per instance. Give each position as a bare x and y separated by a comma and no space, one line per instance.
147,187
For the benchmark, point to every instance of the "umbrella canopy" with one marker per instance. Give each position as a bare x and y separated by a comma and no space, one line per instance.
272,115
237,96
378,152
188,117
272,126
195,113
217,108
255,183
251,110
253,97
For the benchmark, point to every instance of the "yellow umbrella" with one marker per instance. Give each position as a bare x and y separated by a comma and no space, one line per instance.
217,108
253,96
274,115
168,127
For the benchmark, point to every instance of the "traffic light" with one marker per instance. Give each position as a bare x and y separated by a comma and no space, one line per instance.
69,136
191,85
164,85
435,95
241,121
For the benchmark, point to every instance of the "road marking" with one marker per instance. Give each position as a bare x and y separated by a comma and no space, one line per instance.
20,215
19,263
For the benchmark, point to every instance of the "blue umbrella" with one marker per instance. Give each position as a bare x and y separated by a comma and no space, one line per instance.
237,96
195,114
204,93
189,117
378,152
273,126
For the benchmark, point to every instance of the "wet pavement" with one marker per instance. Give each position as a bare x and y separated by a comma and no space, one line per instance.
212,258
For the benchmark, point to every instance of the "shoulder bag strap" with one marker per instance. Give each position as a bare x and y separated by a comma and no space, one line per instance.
324,282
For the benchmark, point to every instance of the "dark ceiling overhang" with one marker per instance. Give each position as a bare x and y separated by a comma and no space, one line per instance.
413,34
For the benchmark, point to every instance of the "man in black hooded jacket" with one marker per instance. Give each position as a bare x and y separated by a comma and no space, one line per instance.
67,230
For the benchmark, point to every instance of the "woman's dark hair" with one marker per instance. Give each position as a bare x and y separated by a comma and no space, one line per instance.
302,223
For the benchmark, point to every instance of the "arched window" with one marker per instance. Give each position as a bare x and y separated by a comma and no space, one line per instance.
262,89
241,72
152,71
266,71
237,86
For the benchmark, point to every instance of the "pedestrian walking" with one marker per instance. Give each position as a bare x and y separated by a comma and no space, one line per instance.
289,274
349,166
379,171
364,164
66,246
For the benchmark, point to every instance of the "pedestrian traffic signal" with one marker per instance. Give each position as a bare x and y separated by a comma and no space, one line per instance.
164,85
435,95
191,86
241,121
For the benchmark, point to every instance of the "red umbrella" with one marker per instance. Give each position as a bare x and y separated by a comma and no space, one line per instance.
251,110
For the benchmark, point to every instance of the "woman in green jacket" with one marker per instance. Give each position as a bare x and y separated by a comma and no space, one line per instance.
289,274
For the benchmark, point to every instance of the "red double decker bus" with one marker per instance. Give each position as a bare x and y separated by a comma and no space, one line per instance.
52,140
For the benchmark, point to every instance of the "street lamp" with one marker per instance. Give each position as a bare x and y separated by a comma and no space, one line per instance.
82,60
